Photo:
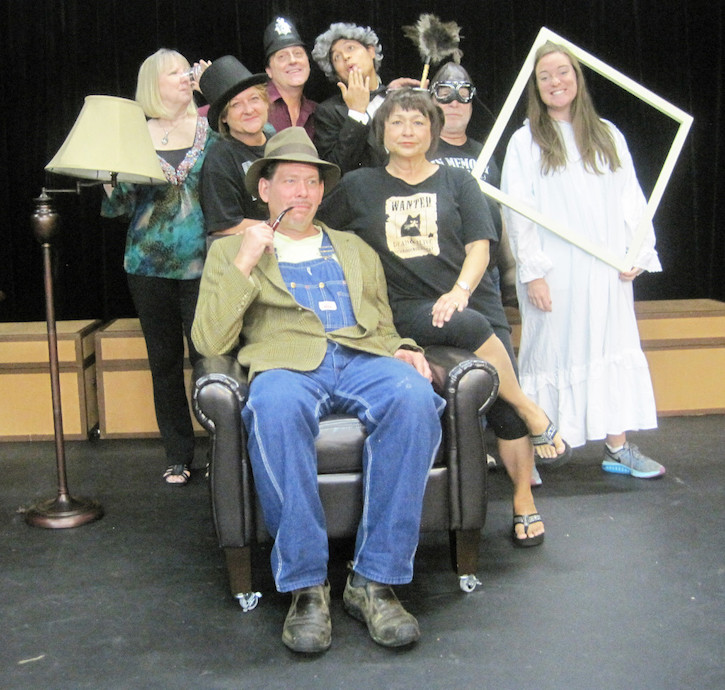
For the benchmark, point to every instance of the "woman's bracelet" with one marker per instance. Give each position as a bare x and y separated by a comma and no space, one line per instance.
464,286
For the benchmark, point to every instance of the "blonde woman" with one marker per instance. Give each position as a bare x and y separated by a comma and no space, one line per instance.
165,245
580,356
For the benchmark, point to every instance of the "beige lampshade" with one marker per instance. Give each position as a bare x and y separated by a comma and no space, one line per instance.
109,136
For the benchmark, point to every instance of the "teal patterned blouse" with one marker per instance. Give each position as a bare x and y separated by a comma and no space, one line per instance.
166,237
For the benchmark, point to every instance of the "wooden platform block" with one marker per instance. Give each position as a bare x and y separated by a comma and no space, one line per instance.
26,407
125,391
684,342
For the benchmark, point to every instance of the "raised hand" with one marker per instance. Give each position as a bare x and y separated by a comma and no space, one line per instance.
256,240
356,93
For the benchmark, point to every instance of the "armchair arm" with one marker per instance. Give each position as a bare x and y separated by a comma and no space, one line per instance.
219,391
459,371
469,386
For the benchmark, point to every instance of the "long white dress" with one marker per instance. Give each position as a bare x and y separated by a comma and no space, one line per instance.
582,362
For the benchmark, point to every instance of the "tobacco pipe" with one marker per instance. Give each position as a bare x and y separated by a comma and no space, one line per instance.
278,219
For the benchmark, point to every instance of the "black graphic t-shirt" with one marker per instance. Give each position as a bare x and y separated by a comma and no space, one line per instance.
420,231
224,198
466,157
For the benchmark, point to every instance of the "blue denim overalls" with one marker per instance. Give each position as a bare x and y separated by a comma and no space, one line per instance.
401,413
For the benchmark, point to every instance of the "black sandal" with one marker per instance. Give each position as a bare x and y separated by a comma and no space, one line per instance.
526,520
547,439
181,471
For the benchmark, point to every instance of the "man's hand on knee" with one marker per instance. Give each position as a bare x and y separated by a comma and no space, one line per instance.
417,360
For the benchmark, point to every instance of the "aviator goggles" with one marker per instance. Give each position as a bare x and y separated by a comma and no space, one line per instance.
449,91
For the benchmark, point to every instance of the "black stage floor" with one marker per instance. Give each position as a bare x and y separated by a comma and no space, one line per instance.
628,591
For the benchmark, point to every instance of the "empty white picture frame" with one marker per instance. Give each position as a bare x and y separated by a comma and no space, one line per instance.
624,262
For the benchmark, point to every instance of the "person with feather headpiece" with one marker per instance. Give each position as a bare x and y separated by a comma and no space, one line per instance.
454,92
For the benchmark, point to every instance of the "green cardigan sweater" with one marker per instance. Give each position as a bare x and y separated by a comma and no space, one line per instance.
276,332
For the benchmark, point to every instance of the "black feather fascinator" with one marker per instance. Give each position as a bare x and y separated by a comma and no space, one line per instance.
435,40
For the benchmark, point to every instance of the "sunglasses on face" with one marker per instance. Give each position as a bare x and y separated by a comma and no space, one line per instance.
449,91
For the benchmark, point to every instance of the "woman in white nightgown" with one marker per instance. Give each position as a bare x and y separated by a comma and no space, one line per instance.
580,356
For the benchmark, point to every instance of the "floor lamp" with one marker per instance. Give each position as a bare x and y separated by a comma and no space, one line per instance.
109,142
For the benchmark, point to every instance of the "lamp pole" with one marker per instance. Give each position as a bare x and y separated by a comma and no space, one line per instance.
63,510
109,142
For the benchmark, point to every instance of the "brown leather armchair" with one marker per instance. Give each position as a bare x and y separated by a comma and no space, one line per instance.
456,494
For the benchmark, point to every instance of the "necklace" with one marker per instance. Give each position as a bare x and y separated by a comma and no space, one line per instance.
165,138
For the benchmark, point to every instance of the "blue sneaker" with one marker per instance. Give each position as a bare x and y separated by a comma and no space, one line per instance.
629,460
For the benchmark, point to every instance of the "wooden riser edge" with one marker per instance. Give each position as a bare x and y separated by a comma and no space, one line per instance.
690,413
683,344
141,434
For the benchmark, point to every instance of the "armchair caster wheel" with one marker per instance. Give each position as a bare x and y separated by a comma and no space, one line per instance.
248,600
468,583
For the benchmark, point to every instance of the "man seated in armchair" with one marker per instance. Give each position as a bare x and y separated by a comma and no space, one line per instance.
311,307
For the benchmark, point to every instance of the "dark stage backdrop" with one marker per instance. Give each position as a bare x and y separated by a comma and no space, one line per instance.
55,52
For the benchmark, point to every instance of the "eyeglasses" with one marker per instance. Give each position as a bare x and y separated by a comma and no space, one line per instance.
449,91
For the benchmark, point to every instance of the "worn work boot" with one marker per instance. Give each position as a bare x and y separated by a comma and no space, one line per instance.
377,606
307,627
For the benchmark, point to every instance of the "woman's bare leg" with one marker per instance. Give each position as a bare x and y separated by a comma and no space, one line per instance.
533,416
517,457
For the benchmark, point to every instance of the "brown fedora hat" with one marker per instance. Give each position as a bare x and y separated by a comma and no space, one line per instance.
291,145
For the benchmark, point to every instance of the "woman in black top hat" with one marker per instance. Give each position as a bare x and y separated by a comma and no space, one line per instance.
238,111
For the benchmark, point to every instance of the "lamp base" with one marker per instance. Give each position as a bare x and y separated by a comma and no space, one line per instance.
64,511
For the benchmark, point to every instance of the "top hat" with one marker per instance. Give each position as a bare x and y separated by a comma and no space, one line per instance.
280,33
291,145
221,81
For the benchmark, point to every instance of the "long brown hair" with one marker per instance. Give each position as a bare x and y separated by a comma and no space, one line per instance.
592,136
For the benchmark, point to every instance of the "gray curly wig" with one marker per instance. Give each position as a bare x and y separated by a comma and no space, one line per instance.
325,41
